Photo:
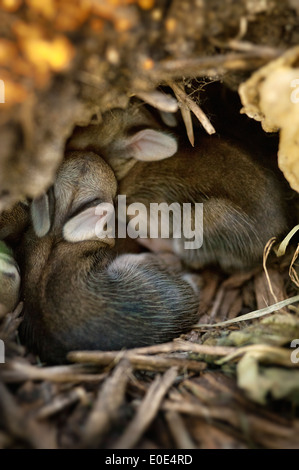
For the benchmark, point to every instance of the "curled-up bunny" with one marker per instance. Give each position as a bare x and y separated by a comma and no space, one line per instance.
125,137
9,279
243,202
12,224
85,292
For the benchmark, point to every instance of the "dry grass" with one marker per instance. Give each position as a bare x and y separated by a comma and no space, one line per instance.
228,387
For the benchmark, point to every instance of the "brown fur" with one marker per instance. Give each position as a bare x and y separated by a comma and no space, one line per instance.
89,294
244,203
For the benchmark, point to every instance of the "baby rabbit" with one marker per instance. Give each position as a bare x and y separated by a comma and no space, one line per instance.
9,279
243,203
12,224
124,137
83,292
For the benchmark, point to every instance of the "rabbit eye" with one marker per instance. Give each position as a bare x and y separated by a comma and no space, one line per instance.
87,204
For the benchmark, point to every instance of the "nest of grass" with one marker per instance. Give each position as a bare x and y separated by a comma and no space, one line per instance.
233,381
227,386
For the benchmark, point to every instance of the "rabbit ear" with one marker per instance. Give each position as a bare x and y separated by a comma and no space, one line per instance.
150,145
41,215
90,225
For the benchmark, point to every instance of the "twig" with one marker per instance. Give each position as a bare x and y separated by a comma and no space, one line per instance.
179,345
245,46
267,250
292,271
154,363
192,106
217,303
147,410
109,399
19,371
233,417
61,402
23,426
178,430
212,65
254,314
138,362
187,118
185,111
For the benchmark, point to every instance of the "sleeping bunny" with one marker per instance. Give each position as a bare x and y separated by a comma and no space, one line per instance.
243,202
12,225
85,292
